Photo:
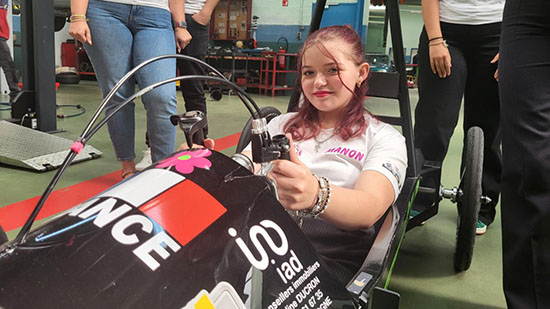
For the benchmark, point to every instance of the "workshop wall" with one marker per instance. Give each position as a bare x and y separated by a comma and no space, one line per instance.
411,24
292,21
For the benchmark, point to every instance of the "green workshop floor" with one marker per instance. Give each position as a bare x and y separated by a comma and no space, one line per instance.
423,275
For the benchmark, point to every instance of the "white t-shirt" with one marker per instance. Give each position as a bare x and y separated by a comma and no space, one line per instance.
380,148
194,6
471,12
161,4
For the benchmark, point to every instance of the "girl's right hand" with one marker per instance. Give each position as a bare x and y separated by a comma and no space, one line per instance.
440,60
80,31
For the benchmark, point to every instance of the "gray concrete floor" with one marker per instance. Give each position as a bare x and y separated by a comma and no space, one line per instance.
424,274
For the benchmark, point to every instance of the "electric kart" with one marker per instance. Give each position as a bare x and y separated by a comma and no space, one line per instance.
195,230
198,229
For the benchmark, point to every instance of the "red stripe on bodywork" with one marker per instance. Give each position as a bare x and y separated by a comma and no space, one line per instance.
184,210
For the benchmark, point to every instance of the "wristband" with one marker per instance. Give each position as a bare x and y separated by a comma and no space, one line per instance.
436,38
180,24
437,43
78,17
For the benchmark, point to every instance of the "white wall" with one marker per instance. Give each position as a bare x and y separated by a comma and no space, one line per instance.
411,26
60,37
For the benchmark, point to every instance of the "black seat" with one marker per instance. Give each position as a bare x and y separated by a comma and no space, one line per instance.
376,269
369,286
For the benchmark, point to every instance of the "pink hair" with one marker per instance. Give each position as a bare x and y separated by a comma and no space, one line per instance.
306,124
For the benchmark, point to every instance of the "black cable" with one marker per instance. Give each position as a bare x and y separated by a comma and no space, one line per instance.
81,109
89,131
146,62
27,226
143,91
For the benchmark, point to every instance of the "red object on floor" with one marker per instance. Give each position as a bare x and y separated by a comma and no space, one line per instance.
56,86
14,215
68,55
227,141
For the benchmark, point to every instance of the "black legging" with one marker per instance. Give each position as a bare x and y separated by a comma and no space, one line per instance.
524,80
192,90
6,62
472,47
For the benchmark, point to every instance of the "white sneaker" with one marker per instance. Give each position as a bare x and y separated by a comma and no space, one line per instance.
146,161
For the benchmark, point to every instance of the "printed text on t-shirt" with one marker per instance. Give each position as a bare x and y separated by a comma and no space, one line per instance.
354,154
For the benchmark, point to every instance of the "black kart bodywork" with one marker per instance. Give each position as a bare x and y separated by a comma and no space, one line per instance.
170,238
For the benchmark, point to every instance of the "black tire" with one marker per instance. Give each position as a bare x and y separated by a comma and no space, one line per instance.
59,23
3,236
470,201
67,78
269,112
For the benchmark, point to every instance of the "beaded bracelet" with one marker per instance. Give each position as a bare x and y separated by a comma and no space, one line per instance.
323,198
321,205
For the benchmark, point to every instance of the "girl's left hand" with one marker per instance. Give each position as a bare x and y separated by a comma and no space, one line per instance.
296,186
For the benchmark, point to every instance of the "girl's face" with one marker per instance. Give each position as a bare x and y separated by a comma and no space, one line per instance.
320,81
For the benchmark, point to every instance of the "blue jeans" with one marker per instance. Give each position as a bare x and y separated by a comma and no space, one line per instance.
123,36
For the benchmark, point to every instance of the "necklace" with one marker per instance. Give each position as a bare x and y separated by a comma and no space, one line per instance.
318,143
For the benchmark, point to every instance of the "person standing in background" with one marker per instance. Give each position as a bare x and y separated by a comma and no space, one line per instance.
524,81
457,58
6,61
127,33
197,18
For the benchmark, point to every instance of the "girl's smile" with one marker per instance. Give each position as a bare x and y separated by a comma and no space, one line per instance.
322,94
329,77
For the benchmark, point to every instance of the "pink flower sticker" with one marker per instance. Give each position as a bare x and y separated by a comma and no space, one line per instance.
185,162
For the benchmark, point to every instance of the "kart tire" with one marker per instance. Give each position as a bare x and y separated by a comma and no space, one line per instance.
269,112
470,201
3,236
59,23
67,78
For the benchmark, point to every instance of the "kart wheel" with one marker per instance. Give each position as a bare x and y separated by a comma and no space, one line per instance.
59,23
3,236
269,112
67,78
470,201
